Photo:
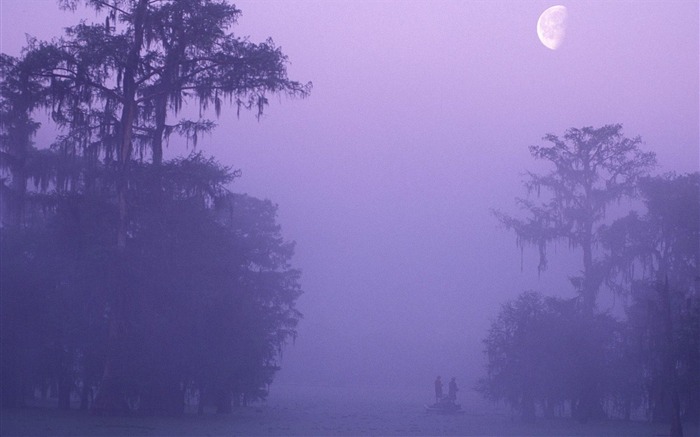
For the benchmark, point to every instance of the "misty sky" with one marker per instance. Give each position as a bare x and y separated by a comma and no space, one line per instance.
418,124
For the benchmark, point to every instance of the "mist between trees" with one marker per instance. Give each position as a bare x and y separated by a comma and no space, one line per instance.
140,284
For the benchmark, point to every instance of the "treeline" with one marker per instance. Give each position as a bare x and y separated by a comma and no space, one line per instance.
565,357
205,282
129,281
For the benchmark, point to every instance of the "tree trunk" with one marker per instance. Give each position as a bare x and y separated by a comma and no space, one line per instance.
589,287
589,405
528,408
670,364
19,195
549,409
223,402
85,396
11,386
64,392
110,400
174,54
161,102
110,397
164,399
627,410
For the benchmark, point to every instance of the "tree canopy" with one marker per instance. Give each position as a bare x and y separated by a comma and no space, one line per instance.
209,290
593,167
155,278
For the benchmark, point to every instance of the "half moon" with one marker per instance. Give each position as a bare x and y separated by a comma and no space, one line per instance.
551,27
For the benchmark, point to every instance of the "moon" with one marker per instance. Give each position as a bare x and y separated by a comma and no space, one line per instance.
551,27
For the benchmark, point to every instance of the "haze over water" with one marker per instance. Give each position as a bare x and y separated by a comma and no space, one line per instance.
418,124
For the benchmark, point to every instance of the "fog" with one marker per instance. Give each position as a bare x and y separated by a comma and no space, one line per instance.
416,128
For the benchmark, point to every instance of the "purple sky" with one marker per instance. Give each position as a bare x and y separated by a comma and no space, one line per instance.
417,125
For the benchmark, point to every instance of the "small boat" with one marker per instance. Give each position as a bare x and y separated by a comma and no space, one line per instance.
444,406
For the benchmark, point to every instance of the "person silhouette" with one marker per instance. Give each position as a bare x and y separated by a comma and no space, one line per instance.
438,389
452,389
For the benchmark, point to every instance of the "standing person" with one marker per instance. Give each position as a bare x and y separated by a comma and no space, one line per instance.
452,390
438,389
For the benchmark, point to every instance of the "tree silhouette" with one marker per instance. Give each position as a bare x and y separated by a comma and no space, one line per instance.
209,297
665,312
111,86
593,168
